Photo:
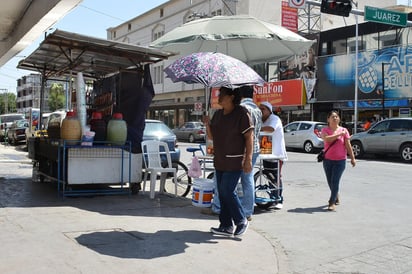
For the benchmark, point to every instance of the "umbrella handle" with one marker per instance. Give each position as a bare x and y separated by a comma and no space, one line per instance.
208,96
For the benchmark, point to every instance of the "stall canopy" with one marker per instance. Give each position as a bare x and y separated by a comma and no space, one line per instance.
65,53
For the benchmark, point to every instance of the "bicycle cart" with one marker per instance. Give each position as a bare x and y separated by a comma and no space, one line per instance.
183,180
266,184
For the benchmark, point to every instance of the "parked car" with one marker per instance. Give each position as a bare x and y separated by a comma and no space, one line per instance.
191,131
390,136
158,130
304,135
17,131
350,126
5,122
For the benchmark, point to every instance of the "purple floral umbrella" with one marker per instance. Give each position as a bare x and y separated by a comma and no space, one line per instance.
212,70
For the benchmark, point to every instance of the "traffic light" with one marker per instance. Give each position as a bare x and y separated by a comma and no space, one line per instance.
336,7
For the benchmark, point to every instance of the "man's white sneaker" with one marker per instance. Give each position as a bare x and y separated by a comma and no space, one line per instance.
279,206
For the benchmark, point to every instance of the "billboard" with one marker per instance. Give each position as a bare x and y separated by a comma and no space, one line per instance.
336,75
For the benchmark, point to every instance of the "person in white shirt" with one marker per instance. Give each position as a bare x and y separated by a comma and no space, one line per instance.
272,123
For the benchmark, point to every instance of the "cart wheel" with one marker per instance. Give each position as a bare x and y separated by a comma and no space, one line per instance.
184,182
264,187
135,188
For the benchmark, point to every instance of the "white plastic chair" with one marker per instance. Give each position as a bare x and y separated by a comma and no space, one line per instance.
152,151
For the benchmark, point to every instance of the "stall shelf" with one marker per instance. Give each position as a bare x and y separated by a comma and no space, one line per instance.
85,170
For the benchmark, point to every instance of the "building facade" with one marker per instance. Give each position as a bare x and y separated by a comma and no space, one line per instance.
29,93
175,103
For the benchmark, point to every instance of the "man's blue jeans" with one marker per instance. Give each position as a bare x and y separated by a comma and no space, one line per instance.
333,171
231,210
248,186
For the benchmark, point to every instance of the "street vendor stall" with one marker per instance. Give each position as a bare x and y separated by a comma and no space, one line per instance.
122,84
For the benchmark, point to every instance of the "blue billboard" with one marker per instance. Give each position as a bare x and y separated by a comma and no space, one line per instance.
336,75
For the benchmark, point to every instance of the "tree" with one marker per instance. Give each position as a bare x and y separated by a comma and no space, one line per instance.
7,102
57,99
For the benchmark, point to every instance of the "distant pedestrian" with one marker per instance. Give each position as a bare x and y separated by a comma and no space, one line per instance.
231,131
337,143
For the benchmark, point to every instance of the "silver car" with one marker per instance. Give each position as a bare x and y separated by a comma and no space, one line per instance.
191,131
390,136
304,135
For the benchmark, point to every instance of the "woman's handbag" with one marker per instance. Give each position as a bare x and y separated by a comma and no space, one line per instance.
321,154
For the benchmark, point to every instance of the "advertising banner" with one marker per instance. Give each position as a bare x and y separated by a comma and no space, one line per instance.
280,94
336,75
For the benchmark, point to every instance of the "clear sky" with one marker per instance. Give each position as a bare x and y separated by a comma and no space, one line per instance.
90,17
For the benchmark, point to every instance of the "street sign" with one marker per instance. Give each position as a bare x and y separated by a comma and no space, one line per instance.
383,16
298,4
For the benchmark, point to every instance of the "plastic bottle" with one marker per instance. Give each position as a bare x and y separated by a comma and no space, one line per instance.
117,130
98,125
71,130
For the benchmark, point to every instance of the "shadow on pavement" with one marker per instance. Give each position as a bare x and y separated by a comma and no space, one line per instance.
309,210
25,193
140,245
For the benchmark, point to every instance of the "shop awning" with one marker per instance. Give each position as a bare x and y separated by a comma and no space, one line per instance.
65,53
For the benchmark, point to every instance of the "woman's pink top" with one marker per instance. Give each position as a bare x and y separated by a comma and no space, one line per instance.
337,151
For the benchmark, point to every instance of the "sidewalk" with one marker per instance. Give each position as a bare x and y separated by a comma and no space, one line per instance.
44,233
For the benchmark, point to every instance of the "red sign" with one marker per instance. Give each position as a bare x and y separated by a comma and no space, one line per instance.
281,93
289,17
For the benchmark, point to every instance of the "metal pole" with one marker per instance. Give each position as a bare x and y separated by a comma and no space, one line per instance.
383,90
355,127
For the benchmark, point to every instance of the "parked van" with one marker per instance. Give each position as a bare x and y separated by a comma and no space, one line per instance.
5,122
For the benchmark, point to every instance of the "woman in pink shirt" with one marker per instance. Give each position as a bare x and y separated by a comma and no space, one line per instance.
337,143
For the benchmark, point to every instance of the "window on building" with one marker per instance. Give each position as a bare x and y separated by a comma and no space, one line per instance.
324,49
352,44
371,41
157,35
129,27
158,31
216,12
389,38
339,47
114,34
406,36
158,74
161,12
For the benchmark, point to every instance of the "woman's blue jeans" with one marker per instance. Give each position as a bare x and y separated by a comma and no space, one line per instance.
231,210
333,171
248,187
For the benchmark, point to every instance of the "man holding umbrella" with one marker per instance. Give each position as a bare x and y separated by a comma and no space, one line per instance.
231,130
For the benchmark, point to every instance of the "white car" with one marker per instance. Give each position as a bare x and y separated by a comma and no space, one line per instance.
304,135
5,122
